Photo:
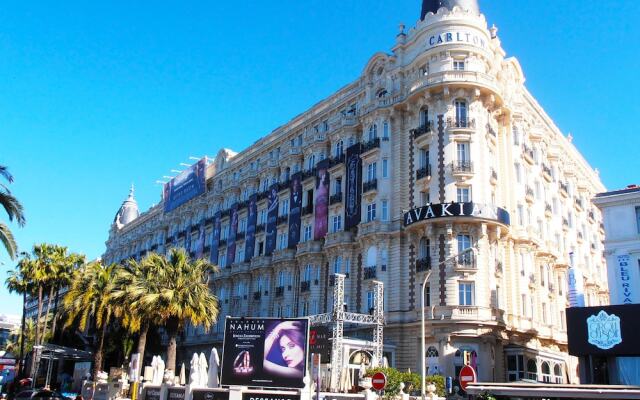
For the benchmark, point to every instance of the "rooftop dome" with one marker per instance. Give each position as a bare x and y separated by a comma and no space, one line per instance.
128,211
434,5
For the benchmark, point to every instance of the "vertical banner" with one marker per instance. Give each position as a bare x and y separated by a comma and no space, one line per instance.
184,187
187,239
352,209
215,238
624,294
272,220
295,210
252,220
576,285
233,234
321,224
200,242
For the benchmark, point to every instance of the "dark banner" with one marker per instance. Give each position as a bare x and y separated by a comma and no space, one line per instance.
269,396
215,238
201,239
604,331
176,393
321,226
272,221
184,187
252,221
265,352
295,210
209,394
151,393
353,187
233,234
468,210
320,343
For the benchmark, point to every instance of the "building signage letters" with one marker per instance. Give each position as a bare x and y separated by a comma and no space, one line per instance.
604,330
469,210
456,37
626,295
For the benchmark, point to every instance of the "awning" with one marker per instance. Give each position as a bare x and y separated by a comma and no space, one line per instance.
534,390
55,352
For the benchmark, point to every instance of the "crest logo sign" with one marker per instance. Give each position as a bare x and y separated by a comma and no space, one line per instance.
604,330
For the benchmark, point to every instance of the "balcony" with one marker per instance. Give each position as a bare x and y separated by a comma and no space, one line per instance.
337,238
529,195
282,186
263,195
424,172
527,154
423,264
465,262
579,205
423,134
283,219
370,273
280,291
311,246
260,228
370,186
335,199
337,160
307,210
462,168
564,190
464,124
592,217
308,174
547,173
372,144
260,262
494,177
548,211
305,286
283,255
452,77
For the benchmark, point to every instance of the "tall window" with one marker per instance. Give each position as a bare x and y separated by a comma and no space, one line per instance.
307,233
337,186
308,270
371,171
516,136
385,168
465,257
385,210
385,130
373,132
281,279
427,296
424,116
337,264
458,65
464,194
461,113
263,216
465,293
424,158
284,209
370,303
336,225
311,162
371,212
339,148
463,151
242,226
282,239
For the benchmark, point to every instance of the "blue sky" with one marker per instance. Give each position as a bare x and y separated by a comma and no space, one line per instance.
95,96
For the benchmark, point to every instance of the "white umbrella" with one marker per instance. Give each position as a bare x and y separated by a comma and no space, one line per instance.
362,371
343,380
349,381
204,375
214,362
194,368
154,365
385,362
182,379
374,362
160,371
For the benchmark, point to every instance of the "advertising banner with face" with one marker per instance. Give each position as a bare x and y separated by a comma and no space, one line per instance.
295,210
252,221
184,187
215,238
322,200
352,208
265,352
233,233
200,242
272,220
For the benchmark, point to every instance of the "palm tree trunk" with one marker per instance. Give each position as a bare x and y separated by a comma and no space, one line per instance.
24,312
55,315
172,331
36,341
142,343
46,317
97,358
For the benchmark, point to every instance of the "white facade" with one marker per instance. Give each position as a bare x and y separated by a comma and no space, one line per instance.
621,215
444,117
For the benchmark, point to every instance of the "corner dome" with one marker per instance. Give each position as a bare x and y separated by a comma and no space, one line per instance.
128,210
434,5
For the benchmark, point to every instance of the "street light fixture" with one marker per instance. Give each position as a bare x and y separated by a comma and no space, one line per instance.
422,336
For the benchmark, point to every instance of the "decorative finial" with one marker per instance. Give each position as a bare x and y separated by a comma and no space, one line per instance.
401,28
494,31
131,191
570,137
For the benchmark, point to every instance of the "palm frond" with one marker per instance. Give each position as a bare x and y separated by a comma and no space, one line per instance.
8,241
4,171
12,207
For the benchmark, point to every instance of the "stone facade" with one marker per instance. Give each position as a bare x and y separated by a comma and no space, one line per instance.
444,117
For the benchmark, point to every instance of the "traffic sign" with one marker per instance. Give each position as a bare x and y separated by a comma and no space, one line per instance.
379,381
467,376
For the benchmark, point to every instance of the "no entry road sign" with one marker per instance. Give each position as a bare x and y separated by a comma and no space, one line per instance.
467,376
379,381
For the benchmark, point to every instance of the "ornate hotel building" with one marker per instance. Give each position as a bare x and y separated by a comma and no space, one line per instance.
436,148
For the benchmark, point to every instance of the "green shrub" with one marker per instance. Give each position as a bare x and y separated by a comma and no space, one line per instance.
437,380
411,382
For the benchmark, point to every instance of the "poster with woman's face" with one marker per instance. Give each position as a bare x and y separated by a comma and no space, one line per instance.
264,352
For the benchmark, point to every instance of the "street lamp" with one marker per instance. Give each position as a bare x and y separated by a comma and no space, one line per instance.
422,336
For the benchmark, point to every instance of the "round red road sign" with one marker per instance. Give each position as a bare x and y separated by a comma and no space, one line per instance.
379,381
467,376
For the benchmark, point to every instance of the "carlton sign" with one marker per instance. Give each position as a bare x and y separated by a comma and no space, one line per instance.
462,210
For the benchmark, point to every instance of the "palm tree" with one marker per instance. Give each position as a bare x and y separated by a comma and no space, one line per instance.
20,282
14,210
177,292
90,299
22,339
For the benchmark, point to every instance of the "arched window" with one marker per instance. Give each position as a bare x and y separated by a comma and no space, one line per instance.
372,254
433,352
382,93
461,113
546,372
532,370
557,374
433,367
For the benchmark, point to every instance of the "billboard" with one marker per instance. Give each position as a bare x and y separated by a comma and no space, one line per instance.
184,187
215,238
272,220
321,226
252,221
233,233
201,238
319,342
295,210
265,352
353,186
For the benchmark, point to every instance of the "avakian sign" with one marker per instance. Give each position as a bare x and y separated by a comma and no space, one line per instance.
466,210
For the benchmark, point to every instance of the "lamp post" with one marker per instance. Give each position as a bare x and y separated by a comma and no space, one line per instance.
422,336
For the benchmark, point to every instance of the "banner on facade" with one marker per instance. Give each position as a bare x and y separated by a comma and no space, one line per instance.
576,285
184,187
295,210
201,239
215,238
265,352
252,221
272,220
321,225
625,292
233,234
353,192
